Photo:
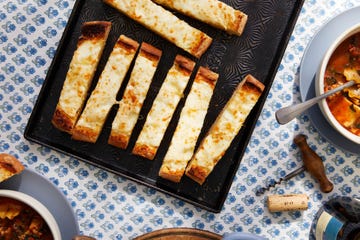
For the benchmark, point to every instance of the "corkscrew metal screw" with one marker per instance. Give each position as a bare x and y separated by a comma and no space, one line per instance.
312,163
262,190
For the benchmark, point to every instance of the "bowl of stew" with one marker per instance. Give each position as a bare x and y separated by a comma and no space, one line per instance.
340,64
24,217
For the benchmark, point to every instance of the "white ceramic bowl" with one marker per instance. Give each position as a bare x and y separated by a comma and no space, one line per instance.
319,84
37,206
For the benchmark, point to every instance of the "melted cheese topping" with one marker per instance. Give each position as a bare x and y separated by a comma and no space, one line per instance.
134,96
162,22
103,96
79,76
212,12
223,131
163,107
188,129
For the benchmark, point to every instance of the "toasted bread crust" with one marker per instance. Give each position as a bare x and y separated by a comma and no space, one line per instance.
119,140
189,125
145,151
134,96
62,121
254,84
205,74
185,64
164,107
197,173
86,134
125,42
239,24
203,44
9,166
94,30
165,24
213,12
103,97
224,129
174,176
150,52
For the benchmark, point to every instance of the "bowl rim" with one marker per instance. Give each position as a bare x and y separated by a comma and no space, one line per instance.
319,86
37,206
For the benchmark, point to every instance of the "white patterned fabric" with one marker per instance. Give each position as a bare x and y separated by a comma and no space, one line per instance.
112,207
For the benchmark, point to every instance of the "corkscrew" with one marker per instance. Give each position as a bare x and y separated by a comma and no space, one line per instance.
262,190
312,163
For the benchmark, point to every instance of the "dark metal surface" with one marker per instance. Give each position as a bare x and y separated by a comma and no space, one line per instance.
258,52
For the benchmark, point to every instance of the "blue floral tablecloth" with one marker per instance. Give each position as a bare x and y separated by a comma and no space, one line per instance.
111,207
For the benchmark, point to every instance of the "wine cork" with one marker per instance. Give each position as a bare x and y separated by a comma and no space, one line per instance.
289,202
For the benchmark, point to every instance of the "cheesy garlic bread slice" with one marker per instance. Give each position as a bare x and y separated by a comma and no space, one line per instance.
9,166
224,129
103,97
134,95
78,79
165,24
163,108
213,12
189,126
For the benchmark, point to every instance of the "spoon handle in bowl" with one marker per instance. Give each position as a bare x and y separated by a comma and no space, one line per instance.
286,114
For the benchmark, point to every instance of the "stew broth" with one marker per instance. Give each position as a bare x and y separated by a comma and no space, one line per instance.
20,221
345,105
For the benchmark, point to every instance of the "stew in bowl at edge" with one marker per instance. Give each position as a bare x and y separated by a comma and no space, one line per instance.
344,65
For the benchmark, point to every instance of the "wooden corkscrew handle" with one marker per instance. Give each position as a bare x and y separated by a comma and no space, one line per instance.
313,164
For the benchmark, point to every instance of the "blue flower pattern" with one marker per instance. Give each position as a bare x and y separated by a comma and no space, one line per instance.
112,207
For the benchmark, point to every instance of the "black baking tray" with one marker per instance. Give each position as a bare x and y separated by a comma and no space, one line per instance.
258,51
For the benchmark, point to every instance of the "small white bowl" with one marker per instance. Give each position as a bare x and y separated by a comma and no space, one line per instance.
38,207
319,84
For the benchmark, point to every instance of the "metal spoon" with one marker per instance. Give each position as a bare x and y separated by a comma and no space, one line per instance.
286,114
